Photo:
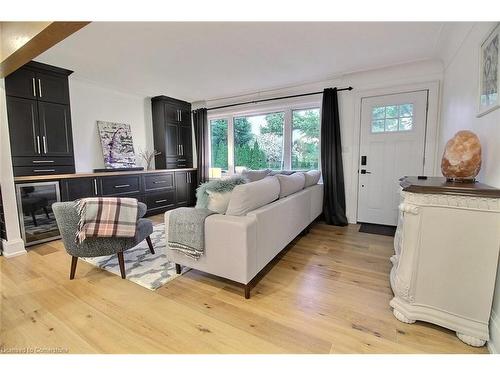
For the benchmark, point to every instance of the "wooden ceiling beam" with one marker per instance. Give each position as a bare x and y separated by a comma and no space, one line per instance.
45,39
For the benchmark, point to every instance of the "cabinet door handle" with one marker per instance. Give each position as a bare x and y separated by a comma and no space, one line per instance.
38,144
180,115
44,170
40,87
182,149
95,186
161,201
44,144
121,186
34,86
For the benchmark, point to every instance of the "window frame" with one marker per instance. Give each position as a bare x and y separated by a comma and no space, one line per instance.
261,109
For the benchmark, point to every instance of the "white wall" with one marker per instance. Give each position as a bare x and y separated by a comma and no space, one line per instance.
459,106
380,81
90,103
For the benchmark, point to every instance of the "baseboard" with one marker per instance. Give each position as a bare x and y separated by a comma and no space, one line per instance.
13,248
494,342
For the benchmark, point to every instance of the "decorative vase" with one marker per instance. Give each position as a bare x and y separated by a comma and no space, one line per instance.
461,160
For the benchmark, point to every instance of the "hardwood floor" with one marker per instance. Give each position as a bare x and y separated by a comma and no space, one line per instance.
328,294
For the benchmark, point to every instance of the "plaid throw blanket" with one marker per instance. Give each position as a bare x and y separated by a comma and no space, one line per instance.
106,217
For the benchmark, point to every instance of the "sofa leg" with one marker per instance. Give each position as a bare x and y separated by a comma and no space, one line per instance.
121,262
178,269
74,261
150,244
247,291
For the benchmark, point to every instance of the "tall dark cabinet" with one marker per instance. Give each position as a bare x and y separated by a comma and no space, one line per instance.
172,132
39,118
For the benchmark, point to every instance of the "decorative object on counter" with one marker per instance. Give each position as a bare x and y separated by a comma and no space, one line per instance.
117,144
462,157
489,79
148,157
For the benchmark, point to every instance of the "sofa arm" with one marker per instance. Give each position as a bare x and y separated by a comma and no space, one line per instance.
230,248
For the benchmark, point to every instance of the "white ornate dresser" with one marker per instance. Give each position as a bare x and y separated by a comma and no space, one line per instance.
446,255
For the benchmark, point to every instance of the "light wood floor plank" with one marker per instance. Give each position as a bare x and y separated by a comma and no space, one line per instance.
329,293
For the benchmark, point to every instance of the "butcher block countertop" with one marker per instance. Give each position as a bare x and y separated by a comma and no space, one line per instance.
97,174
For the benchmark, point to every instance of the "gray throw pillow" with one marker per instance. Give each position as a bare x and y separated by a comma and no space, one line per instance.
291,184
312,177
253,176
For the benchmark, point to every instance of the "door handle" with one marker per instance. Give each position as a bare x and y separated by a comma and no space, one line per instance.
182,149
34,86
38,144
95,186
364,171
44,144
40,87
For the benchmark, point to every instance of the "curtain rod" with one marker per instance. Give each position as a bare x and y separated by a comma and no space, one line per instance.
278,98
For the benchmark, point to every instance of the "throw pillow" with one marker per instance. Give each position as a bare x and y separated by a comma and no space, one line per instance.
219,186
218,202
312,177
248,197
291,184
253,176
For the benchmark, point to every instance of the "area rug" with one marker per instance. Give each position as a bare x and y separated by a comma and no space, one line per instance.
141,267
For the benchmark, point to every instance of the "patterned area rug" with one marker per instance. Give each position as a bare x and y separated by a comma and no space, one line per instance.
141,267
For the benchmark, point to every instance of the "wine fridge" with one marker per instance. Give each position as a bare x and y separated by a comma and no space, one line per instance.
34,205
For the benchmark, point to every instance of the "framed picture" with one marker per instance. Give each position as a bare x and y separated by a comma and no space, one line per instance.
489,79
117,144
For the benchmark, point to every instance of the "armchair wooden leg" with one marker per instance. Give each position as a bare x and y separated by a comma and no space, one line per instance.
121,262
178,269
150,244
74,260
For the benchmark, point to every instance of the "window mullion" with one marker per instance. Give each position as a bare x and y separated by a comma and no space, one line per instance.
230,145
287,140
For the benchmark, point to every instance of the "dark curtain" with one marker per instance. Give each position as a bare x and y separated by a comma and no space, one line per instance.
201,138
331,160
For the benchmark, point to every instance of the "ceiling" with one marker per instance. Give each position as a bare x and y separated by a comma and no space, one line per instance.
200,61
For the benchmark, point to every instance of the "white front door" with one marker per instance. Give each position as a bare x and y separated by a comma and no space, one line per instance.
392,145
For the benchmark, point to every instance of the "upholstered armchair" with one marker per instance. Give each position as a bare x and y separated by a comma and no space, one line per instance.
67,220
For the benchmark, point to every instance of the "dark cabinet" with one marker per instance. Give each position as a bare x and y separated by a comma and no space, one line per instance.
22,84
55,129
185,186
77,188
24,131
52,88
160,191
172,133
39,120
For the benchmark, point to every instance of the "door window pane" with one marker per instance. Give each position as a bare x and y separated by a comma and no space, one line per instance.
218,144
305,139
258,141
392,118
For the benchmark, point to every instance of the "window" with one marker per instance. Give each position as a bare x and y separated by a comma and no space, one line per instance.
284,137
258,141
392,118
305,139
218,144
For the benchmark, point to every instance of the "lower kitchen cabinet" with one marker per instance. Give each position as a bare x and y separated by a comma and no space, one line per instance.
160,191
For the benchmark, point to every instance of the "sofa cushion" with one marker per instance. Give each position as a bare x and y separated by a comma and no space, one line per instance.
248,197
219,186
218,202
312,177
291,184
253,175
